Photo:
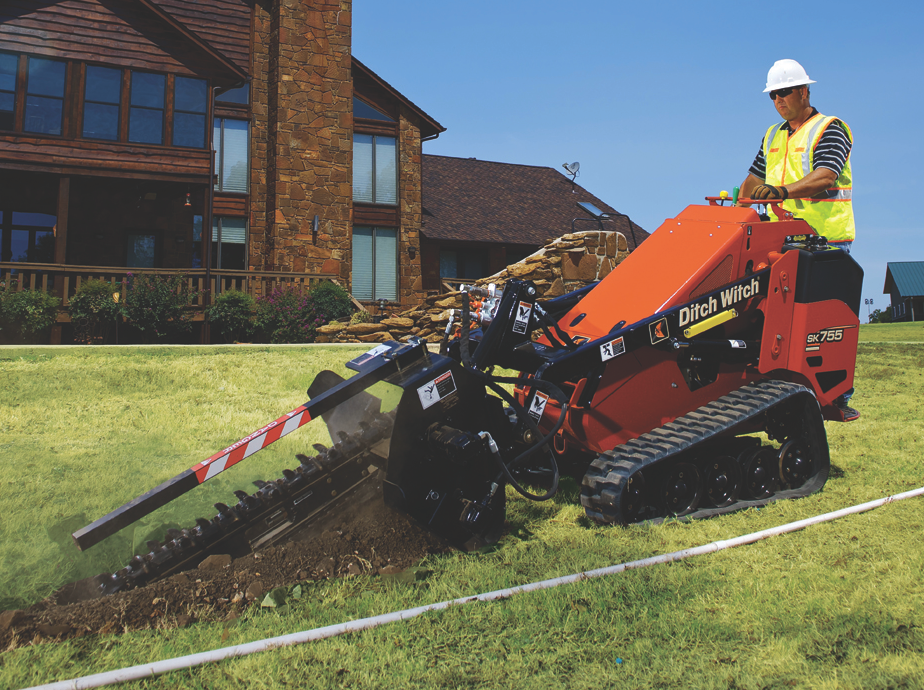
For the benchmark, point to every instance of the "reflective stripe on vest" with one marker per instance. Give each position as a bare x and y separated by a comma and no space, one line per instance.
789,158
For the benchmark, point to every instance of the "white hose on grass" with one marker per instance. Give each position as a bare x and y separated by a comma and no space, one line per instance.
159,667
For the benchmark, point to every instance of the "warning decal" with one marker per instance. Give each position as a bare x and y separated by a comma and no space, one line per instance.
614,348
524,309
431,393
538,406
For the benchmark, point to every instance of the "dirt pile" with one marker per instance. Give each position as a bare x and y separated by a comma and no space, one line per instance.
562,266
375,540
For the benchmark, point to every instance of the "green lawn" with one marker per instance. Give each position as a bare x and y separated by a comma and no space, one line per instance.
839,605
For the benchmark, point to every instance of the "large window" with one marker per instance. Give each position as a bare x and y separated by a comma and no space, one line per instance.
146,115
240,95
8,68
231,142
375,169
27,237
375,263
229,243
51,93
189,109
45,96
463,263
101,100
141,249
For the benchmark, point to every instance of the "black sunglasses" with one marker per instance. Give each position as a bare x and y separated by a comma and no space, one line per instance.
782,93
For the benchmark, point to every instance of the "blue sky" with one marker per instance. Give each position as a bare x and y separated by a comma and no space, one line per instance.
661,102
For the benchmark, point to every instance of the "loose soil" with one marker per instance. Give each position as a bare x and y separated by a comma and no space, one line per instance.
376,540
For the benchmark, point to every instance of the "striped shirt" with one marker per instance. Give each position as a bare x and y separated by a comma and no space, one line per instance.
831,152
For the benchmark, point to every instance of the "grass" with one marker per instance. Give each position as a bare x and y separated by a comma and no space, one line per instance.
839,605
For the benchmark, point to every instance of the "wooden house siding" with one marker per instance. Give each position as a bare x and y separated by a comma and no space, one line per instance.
224,24
67,157
117,34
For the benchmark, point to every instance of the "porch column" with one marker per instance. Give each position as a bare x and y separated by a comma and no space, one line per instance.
64,191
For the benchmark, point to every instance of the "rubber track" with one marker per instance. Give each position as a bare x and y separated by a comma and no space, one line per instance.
607,475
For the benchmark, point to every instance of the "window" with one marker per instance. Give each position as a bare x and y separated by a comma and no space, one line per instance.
366,111
141,249
44,96
101,99
240,95
8,68
146,115
375,263
229,243
375,169
463,263
232,144
27,237
189,108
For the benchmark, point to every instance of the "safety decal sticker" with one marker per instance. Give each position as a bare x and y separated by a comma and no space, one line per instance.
538,406
524,310
814,341
658,331
431,393
614,348
738,344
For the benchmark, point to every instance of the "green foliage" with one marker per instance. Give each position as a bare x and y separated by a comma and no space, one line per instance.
881,316
290,315
232,313
360,317
94,309
157,305
25,314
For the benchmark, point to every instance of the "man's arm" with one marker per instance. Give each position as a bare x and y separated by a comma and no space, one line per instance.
816,181
751,182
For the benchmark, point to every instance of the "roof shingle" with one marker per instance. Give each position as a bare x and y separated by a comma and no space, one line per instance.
469,200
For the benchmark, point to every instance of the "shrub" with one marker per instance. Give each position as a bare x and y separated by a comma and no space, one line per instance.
157,305
233,313
361,316
93,310
26,313
289,315
331,301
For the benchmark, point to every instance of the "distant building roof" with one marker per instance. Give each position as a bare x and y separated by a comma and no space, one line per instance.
469,200
906,276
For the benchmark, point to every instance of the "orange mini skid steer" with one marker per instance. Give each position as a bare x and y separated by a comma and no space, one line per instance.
693,380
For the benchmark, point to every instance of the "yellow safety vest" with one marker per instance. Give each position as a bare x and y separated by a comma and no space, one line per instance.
789,159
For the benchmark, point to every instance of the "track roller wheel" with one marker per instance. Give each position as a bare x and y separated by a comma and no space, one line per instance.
760,472
795,463
635,498
723,481
683,489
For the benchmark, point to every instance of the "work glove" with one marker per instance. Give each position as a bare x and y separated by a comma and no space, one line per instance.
768,191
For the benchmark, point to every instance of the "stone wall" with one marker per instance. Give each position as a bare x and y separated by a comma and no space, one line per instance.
562,266
302,137
410,282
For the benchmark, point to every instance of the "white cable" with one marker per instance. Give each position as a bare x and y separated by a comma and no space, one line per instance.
159,667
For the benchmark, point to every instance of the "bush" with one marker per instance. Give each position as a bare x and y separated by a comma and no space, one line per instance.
361,316
26,313
289,315
157,305
93,310
232,314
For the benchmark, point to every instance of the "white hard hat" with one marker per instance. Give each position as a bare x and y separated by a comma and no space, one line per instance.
786,73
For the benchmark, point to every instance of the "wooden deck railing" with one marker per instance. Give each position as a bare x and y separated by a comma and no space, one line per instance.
64,280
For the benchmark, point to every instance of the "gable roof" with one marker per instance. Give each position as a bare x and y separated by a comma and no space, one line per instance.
468,200
907,277
385,96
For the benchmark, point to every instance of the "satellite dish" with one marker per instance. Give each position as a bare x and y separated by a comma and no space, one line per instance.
572,168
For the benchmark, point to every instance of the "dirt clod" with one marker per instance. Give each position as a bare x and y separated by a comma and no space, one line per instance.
215,562
370,540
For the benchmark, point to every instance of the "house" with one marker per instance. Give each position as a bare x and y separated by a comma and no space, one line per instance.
129,129
480,216
904,283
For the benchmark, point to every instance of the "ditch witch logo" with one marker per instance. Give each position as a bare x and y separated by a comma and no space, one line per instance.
728,297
